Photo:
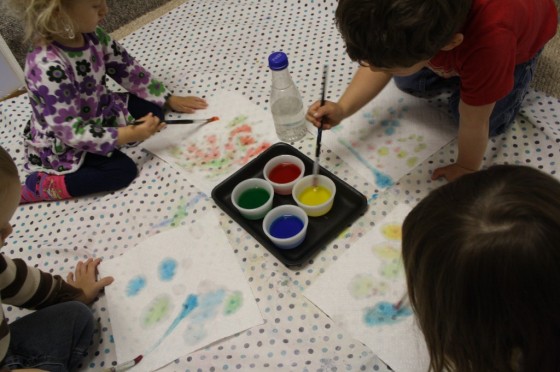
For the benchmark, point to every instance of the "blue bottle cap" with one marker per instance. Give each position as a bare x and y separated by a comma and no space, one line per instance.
278,61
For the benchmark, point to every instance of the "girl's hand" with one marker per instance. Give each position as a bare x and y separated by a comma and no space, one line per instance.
186,104
85,278
330,111
149,125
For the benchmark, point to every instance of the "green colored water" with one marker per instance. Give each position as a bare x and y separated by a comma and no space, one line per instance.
253,198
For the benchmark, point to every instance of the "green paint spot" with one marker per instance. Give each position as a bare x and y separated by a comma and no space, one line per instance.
392,269
233,302
156,311
420,147
384,151
412,161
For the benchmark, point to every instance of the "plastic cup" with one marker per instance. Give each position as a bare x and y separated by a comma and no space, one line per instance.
283,171
286,226
253,198
315,201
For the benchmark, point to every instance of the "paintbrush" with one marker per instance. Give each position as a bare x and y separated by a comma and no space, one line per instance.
402,302
186,121
319,130
124,366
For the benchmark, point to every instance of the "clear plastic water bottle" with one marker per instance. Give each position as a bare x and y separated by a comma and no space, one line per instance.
285,101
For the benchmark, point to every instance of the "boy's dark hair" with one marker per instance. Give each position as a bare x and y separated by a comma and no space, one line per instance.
482,261
398,33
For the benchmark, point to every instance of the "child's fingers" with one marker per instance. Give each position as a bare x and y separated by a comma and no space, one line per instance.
312,113
79,268
86,267
103,282
147,117
322,113
92,265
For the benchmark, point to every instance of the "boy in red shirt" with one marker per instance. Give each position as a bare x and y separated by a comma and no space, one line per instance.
484,51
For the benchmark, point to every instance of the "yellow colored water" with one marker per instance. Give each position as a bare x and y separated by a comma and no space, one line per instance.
314,195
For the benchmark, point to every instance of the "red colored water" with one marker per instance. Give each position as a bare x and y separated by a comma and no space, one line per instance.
284,173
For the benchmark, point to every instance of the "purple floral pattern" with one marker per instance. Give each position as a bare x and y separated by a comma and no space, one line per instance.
73,111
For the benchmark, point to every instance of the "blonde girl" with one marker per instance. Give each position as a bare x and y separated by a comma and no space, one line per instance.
77,125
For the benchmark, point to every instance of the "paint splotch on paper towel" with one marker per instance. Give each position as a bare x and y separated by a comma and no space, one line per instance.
385,313
360,290
182,209
209,153
166,269
176,292
135,285
390,136
216,156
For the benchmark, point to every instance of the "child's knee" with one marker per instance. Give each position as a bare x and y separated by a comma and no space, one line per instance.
129,171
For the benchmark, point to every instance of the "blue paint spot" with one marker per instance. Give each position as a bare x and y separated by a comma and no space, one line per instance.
390,126
384,313
167,269
382,180
188,306
208,305
135,285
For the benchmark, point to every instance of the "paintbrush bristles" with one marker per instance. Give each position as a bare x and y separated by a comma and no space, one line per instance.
404,301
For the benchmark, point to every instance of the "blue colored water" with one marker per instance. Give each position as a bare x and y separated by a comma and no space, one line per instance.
286,226
384,313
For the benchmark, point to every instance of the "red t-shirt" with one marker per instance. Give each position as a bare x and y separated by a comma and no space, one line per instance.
498,35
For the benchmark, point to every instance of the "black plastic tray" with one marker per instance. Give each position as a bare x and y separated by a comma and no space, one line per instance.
349,204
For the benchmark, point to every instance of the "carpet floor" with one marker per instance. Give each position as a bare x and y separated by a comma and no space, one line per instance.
120,14
126,17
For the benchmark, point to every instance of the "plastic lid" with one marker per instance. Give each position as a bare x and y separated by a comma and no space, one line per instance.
278,61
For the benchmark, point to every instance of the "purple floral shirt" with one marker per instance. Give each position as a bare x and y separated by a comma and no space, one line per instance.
73,111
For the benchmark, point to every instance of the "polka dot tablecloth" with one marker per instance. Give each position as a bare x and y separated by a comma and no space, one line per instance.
199,48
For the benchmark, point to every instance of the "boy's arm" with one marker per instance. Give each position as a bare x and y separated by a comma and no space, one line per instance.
364,87
30,288
474,124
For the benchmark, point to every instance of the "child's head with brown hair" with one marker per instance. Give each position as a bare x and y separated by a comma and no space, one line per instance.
9,193
398,33
482,260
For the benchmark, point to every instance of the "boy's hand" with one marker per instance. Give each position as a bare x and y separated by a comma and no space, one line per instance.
450,172
331,111
85,278
186,104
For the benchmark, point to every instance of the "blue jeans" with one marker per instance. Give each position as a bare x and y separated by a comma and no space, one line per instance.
426,83
54,338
